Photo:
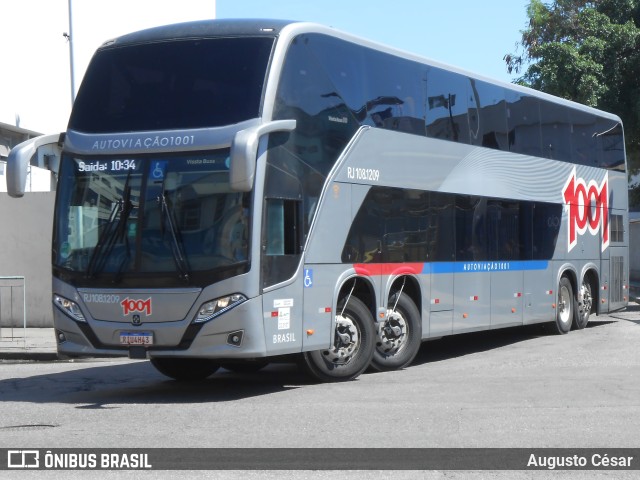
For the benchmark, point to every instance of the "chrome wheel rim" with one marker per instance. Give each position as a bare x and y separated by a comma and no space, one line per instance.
564,305
346,341
392,334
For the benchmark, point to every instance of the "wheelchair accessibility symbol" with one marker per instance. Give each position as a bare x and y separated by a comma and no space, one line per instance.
308,278
158,169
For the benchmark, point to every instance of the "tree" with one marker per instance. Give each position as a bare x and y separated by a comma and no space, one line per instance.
589,52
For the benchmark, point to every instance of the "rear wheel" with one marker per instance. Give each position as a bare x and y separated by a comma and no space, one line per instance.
564,307
185,369
399,336
352,348
585,304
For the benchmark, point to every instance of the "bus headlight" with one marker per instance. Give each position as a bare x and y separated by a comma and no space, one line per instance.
69,307
218,306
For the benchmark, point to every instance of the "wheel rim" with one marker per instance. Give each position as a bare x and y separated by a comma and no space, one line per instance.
346,341
587,299
392,334
564,305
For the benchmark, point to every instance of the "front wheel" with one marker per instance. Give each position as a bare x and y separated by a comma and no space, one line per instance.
564,307
352,348
185,369
399,336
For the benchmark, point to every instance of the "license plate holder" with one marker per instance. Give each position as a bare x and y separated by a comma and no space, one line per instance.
136,338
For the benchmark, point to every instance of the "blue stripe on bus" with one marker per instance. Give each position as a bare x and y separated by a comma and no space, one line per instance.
485,266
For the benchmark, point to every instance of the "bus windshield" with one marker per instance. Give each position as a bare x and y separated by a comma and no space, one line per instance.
194,83
119,218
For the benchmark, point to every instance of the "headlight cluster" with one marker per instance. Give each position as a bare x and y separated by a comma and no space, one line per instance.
218,306
69,307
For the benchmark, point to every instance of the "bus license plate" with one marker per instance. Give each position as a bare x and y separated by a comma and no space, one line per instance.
136,338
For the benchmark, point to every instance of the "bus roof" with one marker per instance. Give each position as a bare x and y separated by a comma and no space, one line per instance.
202,29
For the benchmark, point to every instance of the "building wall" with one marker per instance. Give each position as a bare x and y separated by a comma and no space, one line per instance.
25,250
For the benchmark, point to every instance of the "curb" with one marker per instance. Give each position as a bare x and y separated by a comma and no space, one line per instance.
26,355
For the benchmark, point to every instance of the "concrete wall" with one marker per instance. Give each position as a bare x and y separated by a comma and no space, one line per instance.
25,250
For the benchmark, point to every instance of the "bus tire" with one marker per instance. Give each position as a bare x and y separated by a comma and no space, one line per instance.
185,369
565,307
399,337
585,304
352,349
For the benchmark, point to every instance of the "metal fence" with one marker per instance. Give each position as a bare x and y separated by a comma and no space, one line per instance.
13,306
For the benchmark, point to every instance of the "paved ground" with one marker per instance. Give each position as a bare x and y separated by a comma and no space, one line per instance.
20,343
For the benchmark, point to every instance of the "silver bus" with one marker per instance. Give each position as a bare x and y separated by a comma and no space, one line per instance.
230,192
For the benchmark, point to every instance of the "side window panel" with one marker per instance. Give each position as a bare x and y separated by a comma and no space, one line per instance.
556,131
523,121
487,116
471,232
395,93
504,241
441,231
610,144
395,225
447,106
584,150
546,226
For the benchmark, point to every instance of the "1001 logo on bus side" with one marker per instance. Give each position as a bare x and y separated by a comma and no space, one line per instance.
588,207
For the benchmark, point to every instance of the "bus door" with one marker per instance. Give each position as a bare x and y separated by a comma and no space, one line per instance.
282,282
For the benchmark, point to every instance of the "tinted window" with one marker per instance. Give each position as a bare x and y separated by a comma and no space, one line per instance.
487,116
583,139
556,131
546,225
307,94
471,233
395,225
447,106
172,85
610,141
441,231
395,93
523,121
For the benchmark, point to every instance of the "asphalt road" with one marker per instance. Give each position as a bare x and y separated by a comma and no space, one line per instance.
508,388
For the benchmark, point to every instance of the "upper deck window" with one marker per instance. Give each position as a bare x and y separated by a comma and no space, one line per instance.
182,84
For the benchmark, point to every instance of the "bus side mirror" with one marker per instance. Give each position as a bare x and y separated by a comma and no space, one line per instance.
47,148
244,150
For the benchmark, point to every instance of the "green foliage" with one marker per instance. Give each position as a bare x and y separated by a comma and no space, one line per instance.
589,52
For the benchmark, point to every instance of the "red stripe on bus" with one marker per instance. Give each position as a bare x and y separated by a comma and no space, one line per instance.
373,269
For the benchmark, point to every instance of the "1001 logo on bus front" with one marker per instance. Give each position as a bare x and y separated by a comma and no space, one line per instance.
130,305
588,208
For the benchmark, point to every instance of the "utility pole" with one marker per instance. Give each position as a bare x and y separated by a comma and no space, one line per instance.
69,37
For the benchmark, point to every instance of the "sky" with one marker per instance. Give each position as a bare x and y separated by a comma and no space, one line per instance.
35,87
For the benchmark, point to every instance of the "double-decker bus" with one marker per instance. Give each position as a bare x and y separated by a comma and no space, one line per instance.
234,191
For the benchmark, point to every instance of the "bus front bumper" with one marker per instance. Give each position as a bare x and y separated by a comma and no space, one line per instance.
237,333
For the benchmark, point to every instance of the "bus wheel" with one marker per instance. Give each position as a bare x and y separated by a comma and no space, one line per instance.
352,349
565,307
399,336
185,369
585,303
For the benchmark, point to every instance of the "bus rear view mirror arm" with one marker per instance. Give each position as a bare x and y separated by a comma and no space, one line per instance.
244,149
20,158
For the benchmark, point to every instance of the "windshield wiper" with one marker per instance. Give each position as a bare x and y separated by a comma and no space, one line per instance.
176,245
113,233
